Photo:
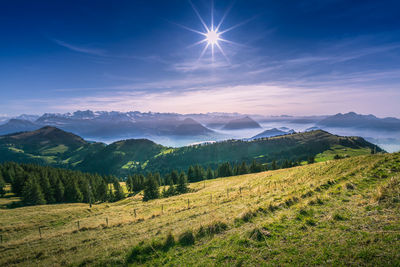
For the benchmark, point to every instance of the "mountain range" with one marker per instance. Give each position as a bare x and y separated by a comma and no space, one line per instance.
55,147
113,124
354,120
173,129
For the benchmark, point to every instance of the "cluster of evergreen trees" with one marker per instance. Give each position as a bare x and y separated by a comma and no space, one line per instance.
41,185
198,173
2,185
177,184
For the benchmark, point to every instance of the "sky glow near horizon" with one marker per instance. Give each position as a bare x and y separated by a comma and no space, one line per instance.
265,57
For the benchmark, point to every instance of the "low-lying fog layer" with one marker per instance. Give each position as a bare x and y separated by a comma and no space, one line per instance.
389,141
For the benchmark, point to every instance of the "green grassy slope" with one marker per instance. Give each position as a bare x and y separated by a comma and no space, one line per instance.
46,146
113,158
342,212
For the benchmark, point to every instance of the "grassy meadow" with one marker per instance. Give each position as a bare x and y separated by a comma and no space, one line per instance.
339,212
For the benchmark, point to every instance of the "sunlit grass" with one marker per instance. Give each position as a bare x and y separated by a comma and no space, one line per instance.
220,200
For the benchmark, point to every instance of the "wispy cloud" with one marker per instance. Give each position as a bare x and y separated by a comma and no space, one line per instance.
80,49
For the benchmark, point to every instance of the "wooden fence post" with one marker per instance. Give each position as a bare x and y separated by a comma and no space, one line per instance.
107,221
162,208
227,193
77,223
211,198
188,204
134,210
40,232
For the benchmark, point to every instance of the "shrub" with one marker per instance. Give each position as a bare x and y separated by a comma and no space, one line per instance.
350,186
211,229
311,222
389,193
139,253
338,217
169,241
186,238
246,216
259,234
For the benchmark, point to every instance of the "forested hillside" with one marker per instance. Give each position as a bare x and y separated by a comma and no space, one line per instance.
54,147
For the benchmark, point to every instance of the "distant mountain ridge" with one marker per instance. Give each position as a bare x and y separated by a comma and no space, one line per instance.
241,123
271,133
18,125
354,120
55,147
103,124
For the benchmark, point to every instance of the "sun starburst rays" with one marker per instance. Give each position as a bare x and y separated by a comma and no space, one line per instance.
212,33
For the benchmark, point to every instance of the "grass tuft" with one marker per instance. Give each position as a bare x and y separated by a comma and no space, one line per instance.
186,238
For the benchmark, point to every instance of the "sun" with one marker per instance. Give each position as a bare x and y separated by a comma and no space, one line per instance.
213,34
212,37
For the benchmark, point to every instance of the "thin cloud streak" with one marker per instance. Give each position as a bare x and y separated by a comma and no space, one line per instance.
80,49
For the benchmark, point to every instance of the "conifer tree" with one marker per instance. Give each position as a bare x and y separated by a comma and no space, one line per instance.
174,176
46,188
72,192
2,185
210,174
32,193
118,192
110,195
129,183
171,189
102,190
181,187
274,165
191,175
59,191
243,168
151,188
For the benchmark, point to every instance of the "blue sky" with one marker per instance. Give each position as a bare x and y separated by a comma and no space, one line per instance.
285,57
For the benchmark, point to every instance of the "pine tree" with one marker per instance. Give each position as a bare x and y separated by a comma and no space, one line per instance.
181,187
151,188
274,166
46,188
243,168
59,191
235,170
174,176
171,189
129,183
255,167
32,193
210,174
110,195
101,190
118,192
72,192
225,170
191,175
2,185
